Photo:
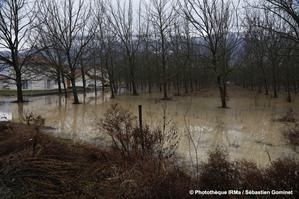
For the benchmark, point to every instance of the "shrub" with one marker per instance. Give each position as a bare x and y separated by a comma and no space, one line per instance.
252,177
282,174
11,142
128,138
219,173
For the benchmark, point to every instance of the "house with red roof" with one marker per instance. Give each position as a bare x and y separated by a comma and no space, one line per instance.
94,74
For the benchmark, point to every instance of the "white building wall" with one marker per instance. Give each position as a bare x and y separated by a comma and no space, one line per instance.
13,85
39,82
37,85
79,82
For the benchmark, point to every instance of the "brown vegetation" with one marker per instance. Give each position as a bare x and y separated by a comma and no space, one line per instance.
138,165
130,139
292,136
288,117
221,174
63,169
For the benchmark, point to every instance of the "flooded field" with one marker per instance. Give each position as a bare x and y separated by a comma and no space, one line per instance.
246,128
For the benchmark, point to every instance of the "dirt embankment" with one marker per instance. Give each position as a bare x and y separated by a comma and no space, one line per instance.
57,168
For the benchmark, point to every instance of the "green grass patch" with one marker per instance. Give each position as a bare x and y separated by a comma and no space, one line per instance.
34,92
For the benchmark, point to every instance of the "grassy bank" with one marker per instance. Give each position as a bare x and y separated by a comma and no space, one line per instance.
36,165
35,92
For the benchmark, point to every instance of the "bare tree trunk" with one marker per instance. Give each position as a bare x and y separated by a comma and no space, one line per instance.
191,85
186,87
114,82
95,79
59,83
111,87
76,99
266,87
265,81
83,74
133,83
259,88
19,86
64,86
83,81
165,97
274,85
103,80
289,99
178,86
222,90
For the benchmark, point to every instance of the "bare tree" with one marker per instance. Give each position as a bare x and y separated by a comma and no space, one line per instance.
146,56
183,52
256,46
83,62
16,46
161,14
127,30
107,41
69,22
109,55
176,58
51,52
288,11
269,48
288,61
214,21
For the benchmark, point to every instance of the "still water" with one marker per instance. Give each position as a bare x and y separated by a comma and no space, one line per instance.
246,128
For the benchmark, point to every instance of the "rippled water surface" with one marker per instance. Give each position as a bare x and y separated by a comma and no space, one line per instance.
246,128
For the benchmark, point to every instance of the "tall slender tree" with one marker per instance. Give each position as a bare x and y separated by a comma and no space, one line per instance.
161,14
16,45
214,21
127,30
69,22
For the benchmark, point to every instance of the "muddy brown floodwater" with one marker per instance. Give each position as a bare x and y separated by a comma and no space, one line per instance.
246,128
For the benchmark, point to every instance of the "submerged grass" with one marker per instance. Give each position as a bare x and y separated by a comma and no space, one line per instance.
137,165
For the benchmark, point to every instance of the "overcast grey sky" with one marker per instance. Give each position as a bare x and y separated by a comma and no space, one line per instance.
137,2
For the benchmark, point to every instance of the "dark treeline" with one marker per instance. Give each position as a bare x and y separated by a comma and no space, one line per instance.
183,45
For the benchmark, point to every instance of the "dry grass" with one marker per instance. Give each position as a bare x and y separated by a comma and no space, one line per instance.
63,169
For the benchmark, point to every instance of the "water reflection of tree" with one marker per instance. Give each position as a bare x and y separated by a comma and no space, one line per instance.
20,111
84,112
62,113
75,118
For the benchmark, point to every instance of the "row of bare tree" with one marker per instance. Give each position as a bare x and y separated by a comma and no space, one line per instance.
181,43
271,47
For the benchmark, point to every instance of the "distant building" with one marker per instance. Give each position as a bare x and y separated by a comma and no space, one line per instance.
94,72
36,76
